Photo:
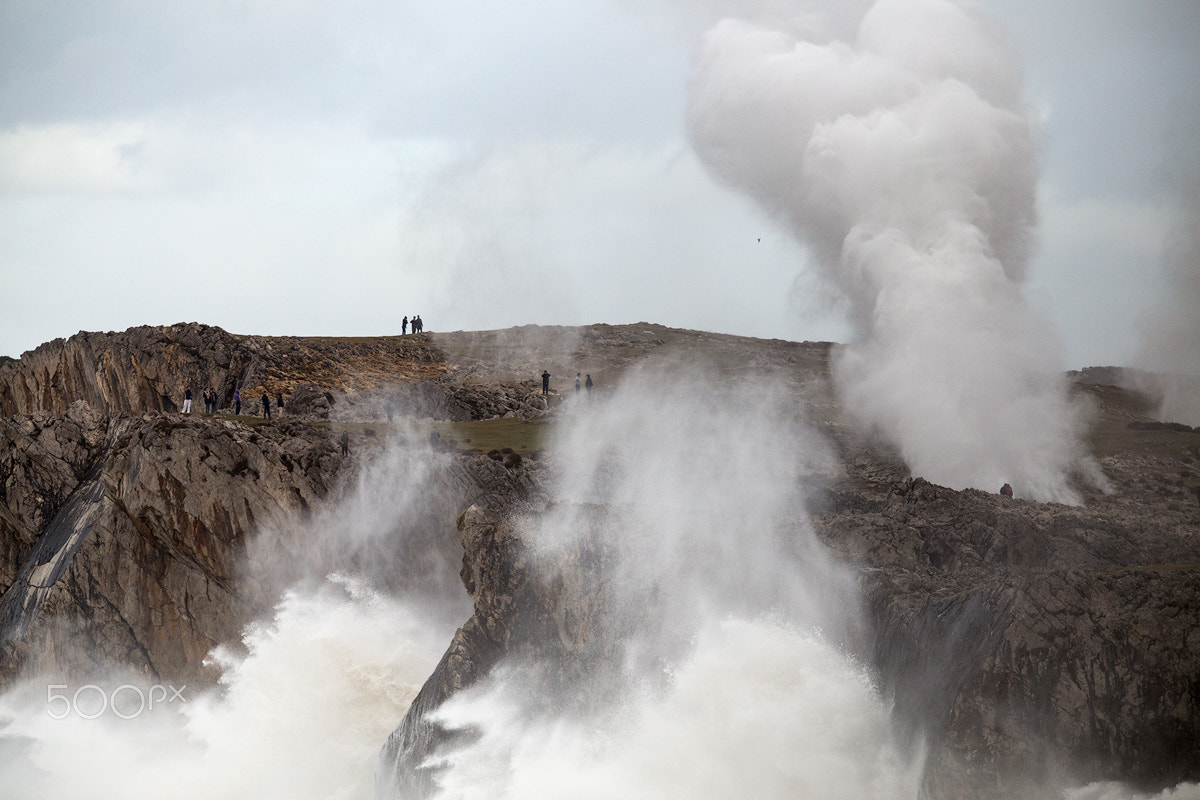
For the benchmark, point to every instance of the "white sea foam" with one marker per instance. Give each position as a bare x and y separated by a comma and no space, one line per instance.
299,714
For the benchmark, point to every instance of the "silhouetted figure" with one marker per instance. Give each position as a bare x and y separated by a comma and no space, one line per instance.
187,400
212,396
237,401
1006,490
404,326
588,384
545,383
344,441
418,324
279,402
266,401
578,383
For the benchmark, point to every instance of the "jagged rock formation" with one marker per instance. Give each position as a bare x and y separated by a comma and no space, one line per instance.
123,535
1032,644
148,368
560,623
124,525
1028,642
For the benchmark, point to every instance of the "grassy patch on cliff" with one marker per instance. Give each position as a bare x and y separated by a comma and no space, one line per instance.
485,435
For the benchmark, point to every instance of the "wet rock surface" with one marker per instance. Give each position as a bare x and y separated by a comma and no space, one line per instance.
1030,644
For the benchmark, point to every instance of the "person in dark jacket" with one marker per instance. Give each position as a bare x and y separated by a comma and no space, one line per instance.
266,401
545,382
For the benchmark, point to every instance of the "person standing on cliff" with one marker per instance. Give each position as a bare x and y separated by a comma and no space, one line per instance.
187,400
279,403
266,401
237,401
344,441
577,383
404,326
588,384
545,383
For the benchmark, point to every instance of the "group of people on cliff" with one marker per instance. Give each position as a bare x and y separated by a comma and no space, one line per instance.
417,324
588,384
211,402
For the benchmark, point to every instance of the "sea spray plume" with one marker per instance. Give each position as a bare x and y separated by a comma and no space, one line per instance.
903,160
706,476
1171,339
755,709
393,524
722,617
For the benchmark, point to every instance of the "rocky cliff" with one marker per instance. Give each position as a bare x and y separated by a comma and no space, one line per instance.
1029,644
149,368
123,534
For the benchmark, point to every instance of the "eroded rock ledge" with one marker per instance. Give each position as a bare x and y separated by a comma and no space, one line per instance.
1034,647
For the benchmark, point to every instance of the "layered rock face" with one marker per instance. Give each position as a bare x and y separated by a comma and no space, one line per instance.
124,534
1031,648
149,368
125,525
1031,645
1035,646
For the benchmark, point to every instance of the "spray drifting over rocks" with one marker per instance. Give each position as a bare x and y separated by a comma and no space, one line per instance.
898,151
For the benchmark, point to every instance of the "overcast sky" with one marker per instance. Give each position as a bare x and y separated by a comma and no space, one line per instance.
326,168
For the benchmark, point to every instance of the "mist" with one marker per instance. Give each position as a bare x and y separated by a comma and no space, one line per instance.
899,152
1170,348
728,632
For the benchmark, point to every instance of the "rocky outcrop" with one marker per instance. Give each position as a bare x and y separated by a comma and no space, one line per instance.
1032,644
127,545
148,368
125,538
1032,647
1029,644
558,623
